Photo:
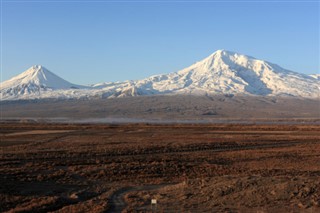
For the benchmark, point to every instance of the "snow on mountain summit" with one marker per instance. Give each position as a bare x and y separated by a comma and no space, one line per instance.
39,76
35,80
222,72
226,72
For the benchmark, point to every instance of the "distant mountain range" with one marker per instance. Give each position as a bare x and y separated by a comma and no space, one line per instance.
221,73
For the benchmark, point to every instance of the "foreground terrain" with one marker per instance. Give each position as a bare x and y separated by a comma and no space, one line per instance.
186,167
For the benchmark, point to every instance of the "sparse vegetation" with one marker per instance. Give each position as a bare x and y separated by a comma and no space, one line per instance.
221,167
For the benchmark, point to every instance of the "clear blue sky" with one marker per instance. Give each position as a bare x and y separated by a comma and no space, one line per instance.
91,42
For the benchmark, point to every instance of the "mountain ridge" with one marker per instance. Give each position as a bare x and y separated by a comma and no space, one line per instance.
222,72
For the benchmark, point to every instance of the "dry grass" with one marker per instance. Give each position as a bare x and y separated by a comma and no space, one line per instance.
266,168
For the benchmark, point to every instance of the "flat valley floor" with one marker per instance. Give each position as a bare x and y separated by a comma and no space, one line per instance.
186,168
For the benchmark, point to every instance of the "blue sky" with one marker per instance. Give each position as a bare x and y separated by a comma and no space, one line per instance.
89,42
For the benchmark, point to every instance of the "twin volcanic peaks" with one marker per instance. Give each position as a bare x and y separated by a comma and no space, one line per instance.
39,70
223,72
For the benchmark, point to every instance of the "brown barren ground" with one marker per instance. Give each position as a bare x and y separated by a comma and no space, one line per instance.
187,168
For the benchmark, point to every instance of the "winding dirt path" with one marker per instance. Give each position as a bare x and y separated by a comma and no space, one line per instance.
117,201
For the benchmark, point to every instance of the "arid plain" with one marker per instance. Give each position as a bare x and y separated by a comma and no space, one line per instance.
185,167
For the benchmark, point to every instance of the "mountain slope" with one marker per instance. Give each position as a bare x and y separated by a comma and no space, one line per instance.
34,81
223,72
226,72
316,76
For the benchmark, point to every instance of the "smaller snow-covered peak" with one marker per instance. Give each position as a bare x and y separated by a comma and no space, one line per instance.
33,71
36,71
37,67
38,76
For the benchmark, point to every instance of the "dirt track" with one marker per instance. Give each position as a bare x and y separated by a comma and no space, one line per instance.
117,200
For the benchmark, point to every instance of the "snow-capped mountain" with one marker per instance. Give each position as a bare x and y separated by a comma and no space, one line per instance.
223,72
232,73
35,81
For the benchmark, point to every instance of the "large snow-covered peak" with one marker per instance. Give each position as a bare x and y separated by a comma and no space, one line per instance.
227,55
222,60
227,72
